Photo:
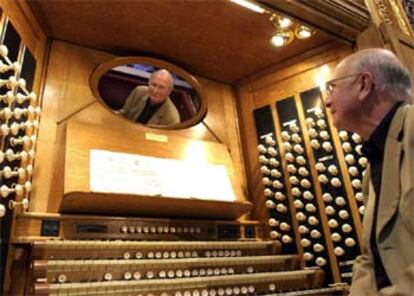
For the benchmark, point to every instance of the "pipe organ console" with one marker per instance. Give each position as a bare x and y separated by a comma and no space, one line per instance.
286,216
92,255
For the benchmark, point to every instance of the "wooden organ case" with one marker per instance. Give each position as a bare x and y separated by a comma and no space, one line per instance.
294,226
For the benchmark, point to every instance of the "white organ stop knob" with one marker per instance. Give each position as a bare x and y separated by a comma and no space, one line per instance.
350,242
261,148
273,222
2,210
308,256
343,135
320,261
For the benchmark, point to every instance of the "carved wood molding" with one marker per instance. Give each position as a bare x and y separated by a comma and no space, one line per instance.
392,13
343,18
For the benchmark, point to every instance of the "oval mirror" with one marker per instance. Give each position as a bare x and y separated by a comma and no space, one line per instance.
149,91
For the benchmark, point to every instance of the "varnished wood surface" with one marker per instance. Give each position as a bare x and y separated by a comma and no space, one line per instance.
67,91
151,206
81,138
217,39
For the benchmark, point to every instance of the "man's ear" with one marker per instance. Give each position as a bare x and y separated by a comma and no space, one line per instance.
366,81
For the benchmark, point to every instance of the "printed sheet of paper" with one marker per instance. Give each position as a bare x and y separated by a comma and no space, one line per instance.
114,172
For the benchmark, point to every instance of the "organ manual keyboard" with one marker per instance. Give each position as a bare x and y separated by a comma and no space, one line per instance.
94,255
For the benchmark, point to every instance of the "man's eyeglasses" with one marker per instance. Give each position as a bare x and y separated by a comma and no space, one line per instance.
331,84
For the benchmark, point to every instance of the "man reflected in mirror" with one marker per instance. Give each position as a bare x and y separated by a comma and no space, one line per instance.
151,104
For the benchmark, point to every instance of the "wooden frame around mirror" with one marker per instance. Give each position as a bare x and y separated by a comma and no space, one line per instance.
104,68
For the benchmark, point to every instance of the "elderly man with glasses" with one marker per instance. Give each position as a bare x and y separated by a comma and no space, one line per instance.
370,95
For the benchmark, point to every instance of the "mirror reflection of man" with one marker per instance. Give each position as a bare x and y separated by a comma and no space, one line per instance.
151,104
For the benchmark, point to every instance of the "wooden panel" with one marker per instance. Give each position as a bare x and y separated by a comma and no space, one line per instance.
67,92
81,138
401,45
139,27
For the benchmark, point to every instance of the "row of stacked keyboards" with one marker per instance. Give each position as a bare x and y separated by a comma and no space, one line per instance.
170,257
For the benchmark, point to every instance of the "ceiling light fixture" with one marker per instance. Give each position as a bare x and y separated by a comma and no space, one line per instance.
283,35
281,38
286,30
249,5
303,32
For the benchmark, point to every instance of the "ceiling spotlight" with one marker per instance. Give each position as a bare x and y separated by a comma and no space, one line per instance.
249,5
303,32
279,22
281,38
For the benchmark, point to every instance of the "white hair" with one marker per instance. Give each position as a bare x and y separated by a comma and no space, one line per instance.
391,78
165,73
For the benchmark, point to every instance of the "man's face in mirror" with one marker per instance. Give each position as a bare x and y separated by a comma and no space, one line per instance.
160,86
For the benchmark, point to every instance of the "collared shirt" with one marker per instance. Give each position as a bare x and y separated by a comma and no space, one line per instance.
374,150
148,111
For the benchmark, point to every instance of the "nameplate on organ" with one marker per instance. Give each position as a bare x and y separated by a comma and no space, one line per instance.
107,172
